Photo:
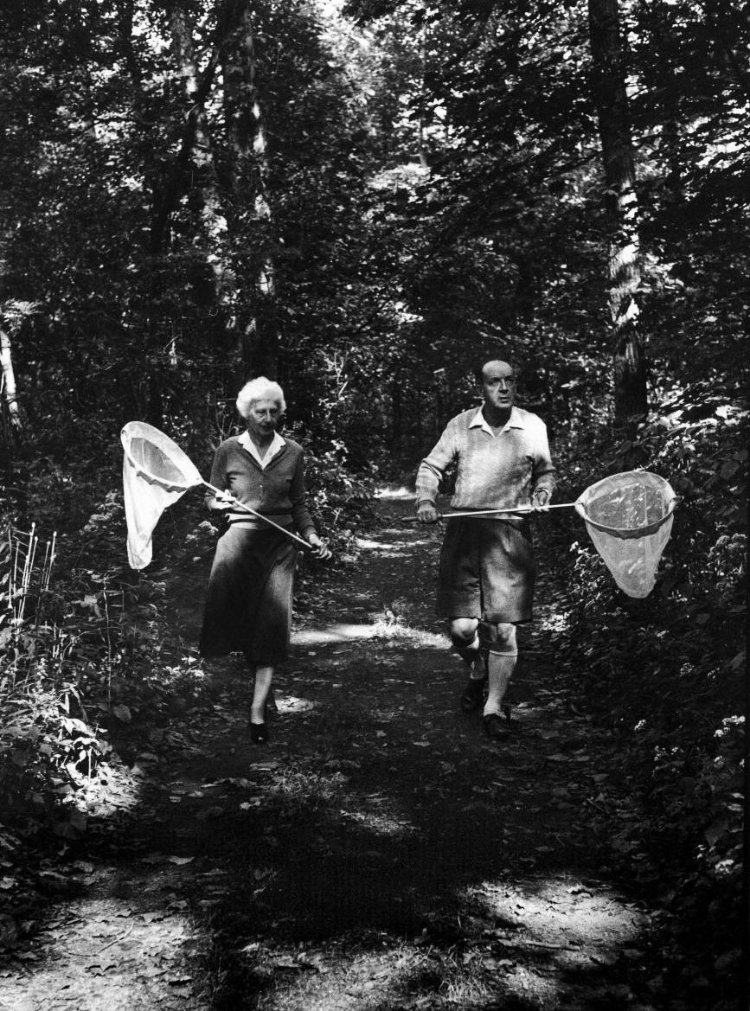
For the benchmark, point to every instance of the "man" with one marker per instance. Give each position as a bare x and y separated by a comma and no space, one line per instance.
487,568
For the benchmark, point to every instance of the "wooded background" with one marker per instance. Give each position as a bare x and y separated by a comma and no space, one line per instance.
367,201
365,207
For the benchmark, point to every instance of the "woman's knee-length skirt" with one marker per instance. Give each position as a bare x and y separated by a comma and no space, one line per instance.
487,570
249,598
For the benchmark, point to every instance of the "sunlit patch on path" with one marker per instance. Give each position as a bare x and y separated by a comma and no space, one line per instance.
111,953
382,627
536,943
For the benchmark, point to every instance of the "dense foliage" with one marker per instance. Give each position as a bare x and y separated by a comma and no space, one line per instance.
367,204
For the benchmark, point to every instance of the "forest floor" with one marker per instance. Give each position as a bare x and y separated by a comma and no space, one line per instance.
379,854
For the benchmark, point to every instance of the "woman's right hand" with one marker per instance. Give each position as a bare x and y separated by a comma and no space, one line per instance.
222,500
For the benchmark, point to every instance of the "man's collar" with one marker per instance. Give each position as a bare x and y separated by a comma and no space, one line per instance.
514,421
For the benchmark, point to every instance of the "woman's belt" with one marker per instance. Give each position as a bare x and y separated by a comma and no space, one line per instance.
248,520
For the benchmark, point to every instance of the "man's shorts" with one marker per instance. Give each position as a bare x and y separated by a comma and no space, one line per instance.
487,570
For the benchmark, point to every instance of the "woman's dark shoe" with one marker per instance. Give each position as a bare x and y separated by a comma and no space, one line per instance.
472,696
258,733
495,727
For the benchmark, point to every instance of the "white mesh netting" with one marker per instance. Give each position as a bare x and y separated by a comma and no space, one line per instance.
155,474
629,519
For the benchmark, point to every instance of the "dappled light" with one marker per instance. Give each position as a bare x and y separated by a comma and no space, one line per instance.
289,704
379,822
402,493
380,852
564,912
115,952
392,548
286,287
385,625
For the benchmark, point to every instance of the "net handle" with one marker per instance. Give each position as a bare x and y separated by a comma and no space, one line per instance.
522,510
260,516
519,510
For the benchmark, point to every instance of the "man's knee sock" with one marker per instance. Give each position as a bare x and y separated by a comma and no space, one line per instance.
500,667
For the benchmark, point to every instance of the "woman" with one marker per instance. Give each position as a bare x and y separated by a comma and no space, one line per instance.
249,600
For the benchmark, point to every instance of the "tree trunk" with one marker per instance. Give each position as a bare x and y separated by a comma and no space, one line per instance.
611,100
663,31
205,174
259,343
11,422
8,379
172,186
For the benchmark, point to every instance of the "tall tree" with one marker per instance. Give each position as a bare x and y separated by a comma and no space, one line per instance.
248,184
608,88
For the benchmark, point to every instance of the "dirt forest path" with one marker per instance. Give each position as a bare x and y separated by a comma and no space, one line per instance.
380,854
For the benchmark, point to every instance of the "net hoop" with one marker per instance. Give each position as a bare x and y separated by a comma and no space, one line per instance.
183,474
662,494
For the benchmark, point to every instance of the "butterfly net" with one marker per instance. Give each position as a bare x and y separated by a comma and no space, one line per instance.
629,519
155,474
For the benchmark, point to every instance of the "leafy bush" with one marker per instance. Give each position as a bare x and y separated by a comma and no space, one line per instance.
45,751
340,500
667,673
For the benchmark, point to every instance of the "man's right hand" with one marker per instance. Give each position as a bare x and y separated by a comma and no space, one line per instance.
427,513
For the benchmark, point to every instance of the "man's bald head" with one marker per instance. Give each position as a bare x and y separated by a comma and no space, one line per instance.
497,369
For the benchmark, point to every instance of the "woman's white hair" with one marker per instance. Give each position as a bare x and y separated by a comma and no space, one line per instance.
259,389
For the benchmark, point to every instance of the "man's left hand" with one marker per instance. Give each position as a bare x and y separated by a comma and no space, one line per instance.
540,500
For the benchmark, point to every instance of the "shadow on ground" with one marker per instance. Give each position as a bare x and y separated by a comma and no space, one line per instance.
380,853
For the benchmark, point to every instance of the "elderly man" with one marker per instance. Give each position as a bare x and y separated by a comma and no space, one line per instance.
487,568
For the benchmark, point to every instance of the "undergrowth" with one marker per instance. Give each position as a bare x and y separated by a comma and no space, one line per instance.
667,673
86,648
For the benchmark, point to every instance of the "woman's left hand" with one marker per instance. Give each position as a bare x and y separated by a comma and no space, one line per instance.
320,548
540,500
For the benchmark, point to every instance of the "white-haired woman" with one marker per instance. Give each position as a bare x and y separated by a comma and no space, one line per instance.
249,599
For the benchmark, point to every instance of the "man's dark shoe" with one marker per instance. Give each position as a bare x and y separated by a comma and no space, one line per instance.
472,697
495,727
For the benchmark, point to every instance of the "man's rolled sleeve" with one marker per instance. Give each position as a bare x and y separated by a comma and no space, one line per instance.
434,465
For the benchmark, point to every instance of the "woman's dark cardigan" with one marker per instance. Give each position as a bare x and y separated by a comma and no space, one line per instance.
249,599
